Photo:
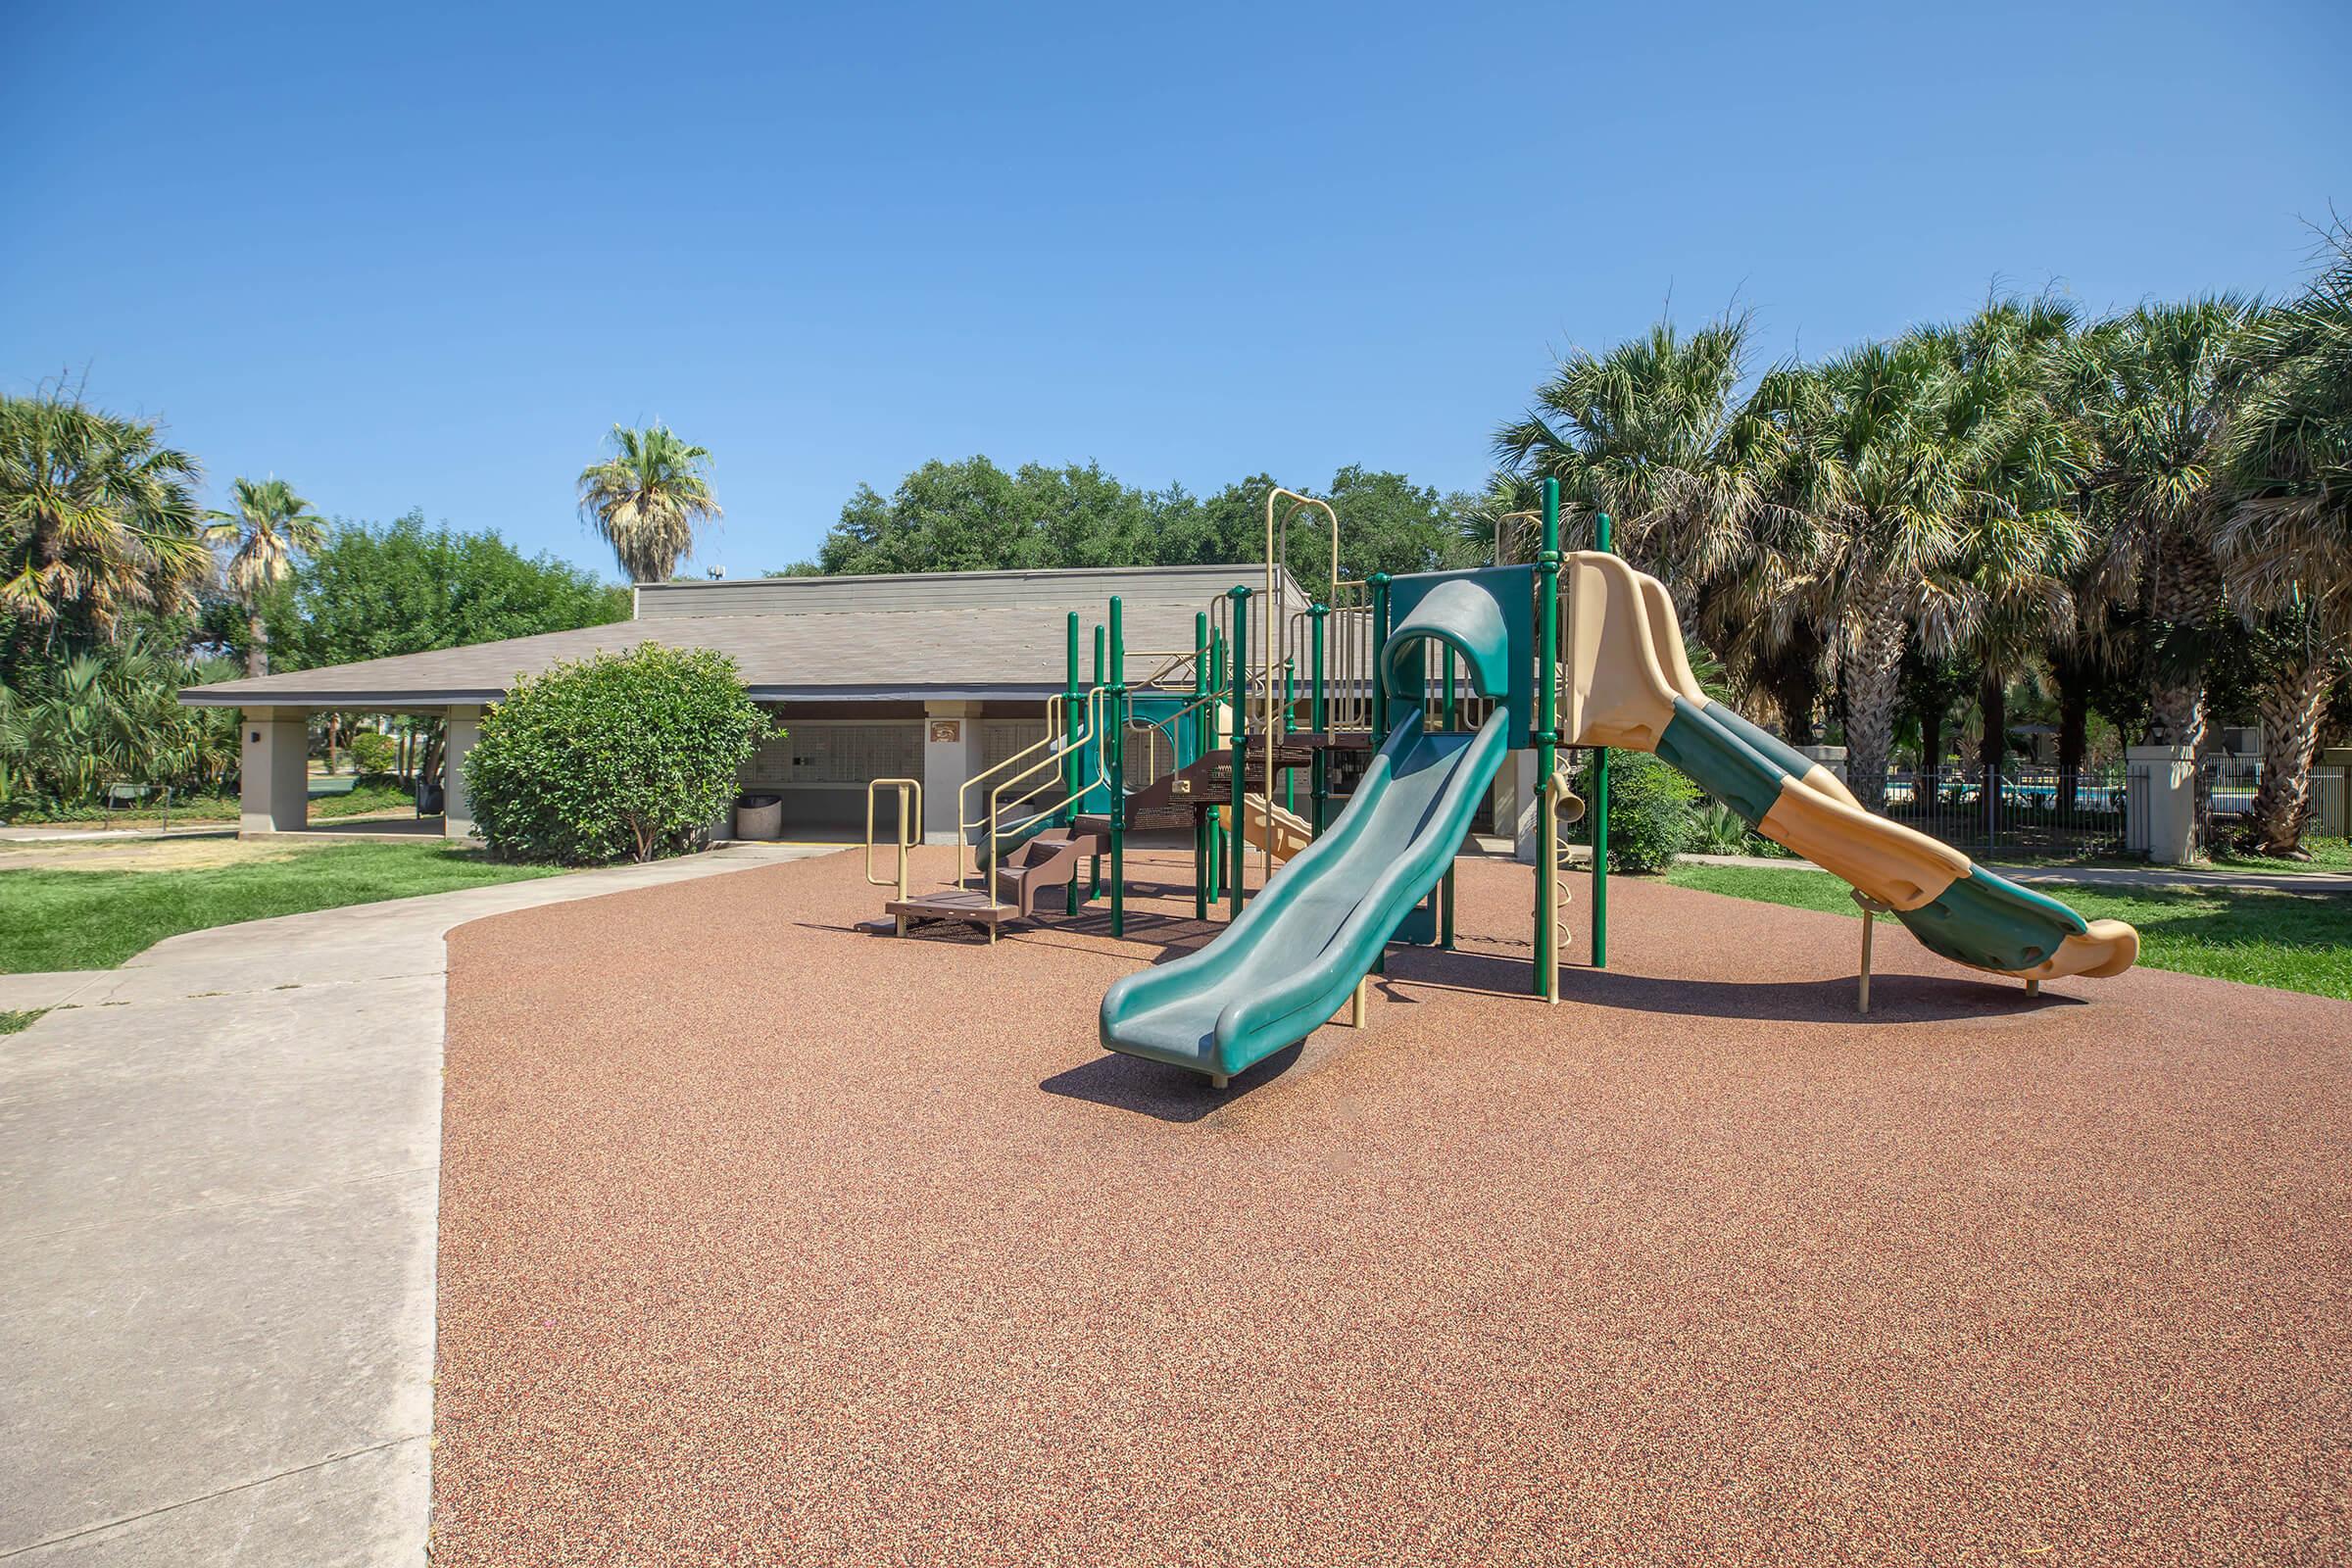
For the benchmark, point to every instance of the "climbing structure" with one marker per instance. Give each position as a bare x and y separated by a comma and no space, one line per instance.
1570,651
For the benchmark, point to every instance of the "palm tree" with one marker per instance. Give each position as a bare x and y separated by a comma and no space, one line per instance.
268,528
1650,433
98,524
648,498
1876,475
2149,391
1642,433
2285,540
2026,540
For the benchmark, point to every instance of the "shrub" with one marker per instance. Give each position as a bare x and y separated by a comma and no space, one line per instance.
373,753
1653,811
71,727
1717,829
620,755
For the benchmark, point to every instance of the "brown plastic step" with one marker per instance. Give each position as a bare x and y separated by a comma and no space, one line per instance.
951,906
1049,861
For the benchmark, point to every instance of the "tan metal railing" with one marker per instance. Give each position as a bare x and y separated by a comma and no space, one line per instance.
1174,672
908,832
1032,782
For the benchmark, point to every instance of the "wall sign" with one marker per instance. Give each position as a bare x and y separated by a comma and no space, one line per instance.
947,730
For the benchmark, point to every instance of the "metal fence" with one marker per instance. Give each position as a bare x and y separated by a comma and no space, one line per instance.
2040,812
2025,811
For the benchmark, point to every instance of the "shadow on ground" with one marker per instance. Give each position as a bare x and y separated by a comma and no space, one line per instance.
1895,998
1155,1089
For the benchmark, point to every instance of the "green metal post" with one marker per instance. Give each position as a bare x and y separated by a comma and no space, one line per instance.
1600,810
1319,778
1203,729
1290,725
1240,746
1379,584
1446,912
1070,763
1095,890
1216,836
1117,725
1548,723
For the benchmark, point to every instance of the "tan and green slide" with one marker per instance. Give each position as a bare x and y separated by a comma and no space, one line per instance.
1626,683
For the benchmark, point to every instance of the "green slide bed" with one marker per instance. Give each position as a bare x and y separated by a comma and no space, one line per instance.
1294,956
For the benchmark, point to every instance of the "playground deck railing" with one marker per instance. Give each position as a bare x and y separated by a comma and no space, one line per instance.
1027,770
908,794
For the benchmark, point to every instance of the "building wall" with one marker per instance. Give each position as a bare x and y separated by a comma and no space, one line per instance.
831,752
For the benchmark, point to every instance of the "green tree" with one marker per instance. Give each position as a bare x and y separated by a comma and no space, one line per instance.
1651,431
2025,546
622,755
1079,515
972,515
943,516
1647,432
268,529
99,526
1878,462
2149,391
648,500
109,715
371,591
2285,538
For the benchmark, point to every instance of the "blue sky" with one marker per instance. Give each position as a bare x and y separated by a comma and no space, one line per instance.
409,258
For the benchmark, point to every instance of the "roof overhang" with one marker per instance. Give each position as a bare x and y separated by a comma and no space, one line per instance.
393,702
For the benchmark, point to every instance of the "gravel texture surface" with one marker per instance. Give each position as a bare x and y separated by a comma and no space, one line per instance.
766,1242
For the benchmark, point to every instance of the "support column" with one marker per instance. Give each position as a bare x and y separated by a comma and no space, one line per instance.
2160,802
464,728
273,778
1518,805
2331,771
951,755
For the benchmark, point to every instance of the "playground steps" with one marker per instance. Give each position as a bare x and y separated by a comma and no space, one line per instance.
1048,861
950,906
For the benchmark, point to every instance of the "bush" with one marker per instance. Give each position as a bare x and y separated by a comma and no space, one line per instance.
71,727
373,753
1717,829
1653,811
620,755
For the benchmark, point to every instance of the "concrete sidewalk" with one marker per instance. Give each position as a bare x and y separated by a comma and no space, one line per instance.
219,1193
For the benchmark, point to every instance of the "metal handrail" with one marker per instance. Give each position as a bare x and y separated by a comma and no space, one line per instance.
909,829
1056,705
1206,700
1090,735
1175,670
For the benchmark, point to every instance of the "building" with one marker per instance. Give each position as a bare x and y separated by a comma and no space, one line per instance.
933,676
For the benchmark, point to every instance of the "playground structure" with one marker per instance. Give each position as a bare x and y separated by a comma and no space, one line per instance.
1571,651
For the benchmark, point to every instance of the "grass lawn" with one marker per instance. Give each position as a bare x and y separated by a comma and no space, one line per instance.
330,799
2292,941
73,919
2326,855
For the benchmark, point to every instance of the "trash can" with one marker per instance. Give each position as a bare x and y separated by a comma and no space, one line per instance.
759,816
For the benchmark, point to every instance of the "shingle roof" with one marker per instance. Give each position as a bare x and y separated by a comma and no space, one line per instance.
1001,651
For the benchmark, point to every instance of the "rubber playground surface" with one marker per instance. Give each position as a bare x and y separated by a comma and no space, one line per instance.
767,1241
